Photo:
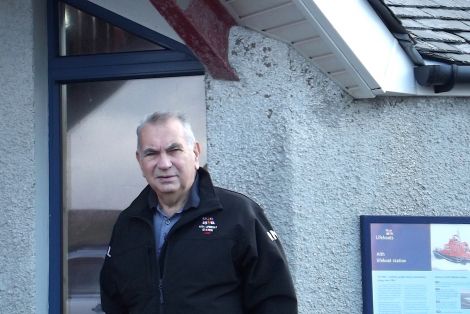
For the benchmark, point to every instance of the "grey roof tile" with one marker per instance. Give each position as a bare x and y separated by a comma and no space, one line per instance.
460,4
410,23
441,57
413,3
444,24
427,34
440,28
409,12
455,58
460,58
444,47
463,59
424,46
464,35
465,48
437,47
447,14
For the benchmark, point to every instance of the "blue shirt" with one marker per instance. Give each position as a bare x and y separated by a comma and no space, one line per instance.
162,224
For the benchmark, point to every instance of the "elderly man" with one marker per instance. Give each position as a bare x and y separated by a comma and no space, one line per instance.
185,246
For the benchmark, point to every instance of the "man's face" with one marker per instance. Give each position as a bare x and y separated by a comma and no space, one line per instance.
168,163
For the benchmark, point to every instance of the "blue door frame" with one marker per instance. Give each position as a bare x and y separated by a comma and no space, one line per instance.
175,60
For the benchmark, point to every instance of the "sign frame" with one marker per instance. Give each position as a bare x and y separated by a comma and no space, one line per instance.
369,258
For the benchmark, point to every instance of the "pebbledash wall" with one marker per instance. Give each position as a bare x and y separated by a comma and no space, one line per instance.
23,157
316,159
285,135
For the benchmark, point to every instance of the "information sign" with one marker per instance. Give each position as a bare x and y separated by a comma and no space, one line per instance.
415,264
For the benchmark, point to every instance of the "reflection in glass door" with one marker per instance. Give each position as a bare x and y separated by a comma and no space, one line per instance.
101,175
82,34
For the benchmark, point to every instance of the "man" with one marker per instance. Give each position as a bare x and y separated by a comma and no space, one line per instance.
186,247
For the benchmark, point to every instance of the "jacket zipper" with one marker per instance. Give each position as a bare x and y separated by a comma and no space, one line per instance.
161,262
151,255
160,290
160,286
162,257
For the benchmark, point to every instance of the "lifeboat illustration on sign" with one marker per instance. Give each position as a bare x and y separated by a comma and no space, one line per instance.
455,251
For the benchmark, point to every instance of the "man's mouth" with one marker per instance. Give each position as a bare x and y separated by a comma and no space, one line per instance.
166,177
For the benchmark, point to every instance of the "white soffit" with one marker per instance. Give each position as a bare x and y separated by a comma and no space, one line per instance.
344,39
361,36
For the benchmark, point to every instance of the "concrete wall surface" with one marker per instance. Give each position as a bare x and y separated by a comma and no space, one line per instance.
16,158
19,156
316,160
285,135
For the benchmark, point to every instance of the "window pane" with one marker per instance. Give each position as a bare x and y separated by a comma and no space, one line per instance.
101,174
81,33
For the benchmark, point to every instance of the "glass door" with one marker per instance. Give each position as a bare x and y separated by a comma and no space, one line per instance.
101,176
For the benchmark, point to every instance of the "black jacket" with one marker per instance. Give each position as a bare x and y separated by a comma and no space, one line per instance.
219,258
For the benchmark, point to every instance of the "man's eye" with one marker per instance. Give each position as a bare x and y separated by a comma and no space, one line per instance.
147,154
175,149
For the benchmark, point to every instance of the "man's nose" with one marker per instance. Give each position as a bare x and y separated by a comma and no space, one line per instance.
164,162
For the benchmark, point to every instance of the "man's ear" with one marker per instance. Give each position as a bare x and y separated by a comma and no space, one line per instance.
197,154
137,156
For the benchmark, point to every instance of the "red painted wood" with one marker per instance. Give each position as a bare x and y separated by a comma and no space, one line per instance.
204,26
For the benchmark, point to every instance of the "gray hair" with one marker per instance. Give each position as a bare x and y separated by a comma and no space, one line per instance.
162,117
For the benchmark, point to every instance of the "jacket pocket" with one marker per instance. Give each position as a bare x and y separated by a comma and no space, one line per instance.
200,276
133,274
205,259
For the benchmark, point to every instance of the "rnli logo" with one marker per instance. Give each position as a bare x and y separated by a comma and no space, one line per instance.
388,235
208,225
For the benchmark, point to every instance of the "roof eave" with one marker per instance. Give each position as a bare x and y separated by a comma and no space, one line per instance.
370,48
377,58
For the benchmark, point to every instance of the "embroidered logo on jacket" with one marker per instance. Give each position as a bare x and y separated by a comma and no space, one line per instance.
208,225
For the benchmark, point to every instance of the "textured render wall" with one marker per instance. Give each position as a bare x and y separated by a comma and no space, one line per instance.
17,160
316,159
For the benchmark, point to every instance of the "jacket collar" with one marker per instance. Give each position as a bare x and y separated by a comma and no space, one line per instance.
208,201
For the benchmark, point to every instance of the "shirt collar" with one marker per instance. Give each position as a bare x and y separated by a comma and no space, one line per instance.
193,197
